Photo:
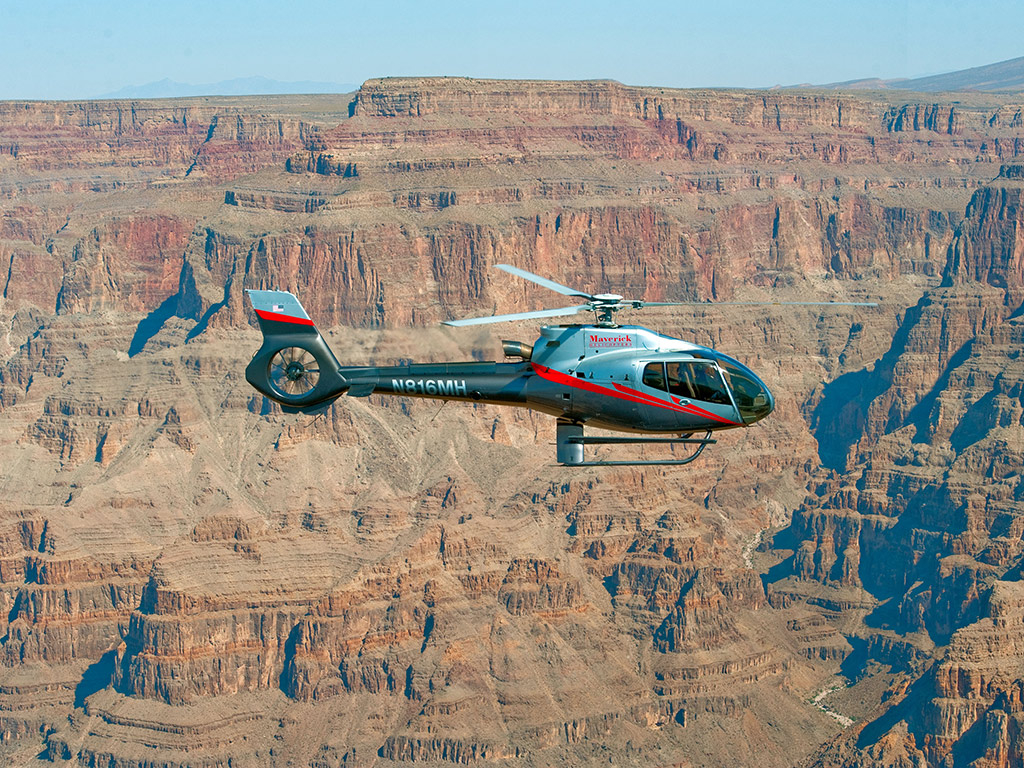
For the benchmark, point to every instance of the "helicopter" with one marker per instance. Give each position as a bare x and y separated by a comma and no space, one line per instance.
624,378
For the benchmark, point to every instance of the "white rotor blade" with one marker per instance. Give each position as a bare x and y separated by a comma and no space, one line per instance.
518,316
765,303
640,303
549,284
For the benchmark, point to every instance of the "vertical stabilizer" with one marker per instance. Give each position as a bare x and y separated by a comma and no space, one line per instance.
280,312
294,366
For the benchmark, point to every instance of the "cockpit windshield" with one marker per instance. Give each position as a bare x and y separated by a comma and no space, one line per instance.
751,395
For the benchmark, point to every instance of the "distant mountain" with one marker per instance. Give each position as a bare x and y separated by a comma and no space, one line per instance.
241,86
1002,76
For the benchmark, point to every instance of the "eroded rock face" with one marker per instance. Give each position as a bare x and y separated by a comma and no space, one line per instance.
190,577
932,526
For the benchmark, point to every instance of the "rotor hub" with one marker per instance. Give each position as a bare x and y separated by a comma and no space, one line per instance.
607,298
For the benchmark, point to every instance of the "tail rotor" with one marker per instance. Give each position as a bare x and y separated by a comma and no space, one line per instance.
294,366
294,372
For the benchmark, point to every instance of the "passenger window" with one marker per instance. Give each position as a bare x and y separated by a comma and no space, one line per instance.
654,375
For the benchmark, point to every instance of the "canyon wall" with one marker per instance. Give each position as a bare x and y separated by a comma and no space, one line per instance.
191,577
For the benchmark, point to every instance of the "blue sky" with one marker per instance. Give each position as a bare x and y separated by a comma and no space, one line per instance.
51,49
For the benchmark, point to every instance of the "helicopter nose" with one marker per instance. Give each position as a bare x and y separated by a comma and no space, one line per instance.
771,401
755,405
752,397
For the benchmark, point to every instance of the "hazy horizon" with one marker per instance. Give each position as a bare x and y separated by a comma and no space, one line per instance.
61,50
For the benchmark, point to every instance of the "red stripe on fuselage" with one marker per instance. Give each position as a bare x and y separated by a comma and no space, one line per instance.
625,393
690,408
571,381
283,318
650,399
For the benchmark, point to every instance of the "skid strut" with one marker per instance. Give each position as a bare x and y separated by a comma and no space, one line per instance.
570,442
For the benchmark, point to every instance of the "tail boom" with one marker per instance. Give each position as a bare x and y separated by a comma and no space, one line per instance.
295,368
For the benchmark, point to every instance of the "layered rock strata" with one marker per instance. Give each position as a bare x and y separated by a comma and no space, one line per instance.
927,523
191,577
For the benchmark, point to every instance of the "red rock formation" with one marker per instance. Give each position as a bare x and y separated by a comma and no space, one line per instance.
937,486
968,709
190,577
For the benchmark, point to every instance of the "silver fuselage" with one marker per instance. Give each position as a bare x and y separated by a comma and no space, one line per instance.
599,376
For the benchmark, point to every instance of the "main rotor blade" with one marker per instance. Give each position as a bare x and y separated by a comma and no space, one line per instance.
518,316
764,303
640,303
549,284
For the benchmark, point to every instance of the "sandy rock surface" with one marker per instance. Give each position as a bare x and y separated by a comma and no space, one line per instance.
189,576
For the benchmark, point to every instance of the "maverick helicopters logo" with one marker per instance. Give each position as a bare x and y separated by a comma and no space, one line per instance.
601,341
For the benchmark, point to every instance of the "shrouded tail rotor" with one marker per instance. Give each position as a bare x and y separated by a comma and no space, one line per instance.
294,372
294,366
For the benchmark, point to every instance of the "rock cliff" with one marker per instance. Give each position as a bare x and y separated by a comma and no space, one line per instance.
191,577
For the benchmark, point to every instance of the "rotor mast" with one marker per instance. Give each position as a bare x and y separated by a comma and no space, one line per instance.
605,306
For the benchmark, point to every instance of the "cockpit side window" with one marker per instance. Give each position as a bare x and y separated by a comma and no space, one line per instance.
692,379
654,375
697,380
679,381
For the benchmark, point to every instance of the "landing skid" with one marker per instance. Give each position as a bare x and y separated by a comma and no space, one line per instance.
571,441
